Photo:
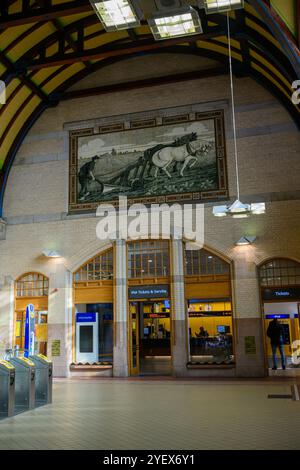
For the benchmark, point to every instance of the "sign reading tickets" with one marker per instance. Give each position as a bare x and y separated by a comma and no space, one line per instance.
250,345
289,293
55,347
149,292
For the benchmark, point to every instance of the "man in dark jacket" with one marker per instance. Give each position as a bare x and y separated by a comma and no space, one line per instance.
275,333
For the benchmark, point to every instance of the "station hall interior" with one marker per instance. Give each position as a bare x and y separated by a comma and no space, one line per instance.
178,119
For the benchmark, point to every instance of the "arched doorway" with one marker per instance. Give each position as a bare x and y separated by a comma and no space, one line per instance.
280,298
150,307
93,330
209,307
32,288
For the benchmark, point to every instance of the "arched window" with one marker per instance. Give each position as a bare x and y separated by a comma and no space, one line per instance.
32,285
279,272
99,268
148,258
202,263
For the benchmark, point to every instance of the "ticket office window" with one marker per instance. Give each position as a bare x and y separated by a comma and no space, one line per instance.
281,275
210,331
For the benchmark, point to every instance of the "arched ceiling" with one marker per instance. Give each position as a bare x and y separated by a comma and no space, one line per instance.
48,45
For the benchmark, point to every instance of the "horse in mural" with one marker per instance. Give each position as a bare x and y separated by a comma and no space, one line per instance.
162,157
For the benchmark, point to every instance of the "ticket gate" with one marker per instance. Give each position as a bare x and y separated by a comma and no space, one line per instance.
43,379
7,389
24,383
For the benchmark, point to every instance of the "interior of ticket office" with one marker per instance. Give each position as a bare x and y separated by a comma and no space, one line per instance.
209,308
280,298
31,288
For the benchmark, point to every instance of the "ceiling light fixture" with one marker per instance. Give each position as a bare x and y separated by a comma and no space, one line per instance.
116,14
237,209
180,23
246,240
219,6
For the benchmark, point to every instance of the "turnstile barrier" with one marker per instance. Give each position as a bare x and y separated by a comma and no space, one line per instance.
24,384
7,389
43,379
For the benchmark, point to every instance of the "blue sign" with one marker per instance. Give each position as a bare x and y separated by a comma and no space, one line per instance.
85,317
278,316
291,293
29,331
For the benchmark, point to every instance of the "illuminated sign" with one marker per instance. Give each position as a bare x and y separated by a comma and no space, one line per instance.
292,293
85,317
278,316
149,292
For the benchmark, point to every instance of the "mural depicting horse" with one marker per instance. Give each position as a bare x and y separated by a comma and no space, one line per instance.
162,157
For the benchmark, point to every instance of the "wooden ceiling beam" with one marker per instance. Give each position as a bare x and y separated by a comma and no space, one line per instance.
149,82
48,13
105,52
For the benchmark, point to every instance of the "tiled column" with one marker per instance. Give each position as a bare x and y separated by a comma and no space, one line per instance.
180,333
6,314
249,361
60,319
120,367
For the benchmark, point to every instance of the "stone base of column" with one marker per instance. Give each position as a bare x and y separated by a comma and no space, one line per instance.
250,363
179,350
120,358
61,363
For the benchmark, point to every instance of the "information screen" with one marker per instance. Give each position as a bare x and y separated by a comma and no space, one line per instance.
86,339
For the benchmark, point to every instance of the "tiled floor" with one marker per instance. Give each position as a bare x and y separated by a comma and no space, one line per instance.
159,414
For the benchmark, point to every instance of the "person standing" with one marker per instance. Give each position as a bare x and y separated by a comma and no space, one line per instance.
275,333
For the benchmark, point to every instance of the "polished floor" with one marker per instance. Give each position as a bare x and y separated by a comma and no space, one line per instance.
159,414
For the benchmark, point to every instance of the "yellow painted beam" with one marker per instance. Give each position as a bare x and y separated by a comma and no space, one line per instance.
286,9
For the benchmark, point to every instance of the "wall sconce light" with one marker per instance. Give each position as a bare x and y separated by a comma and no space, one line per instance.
246,240
51,254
